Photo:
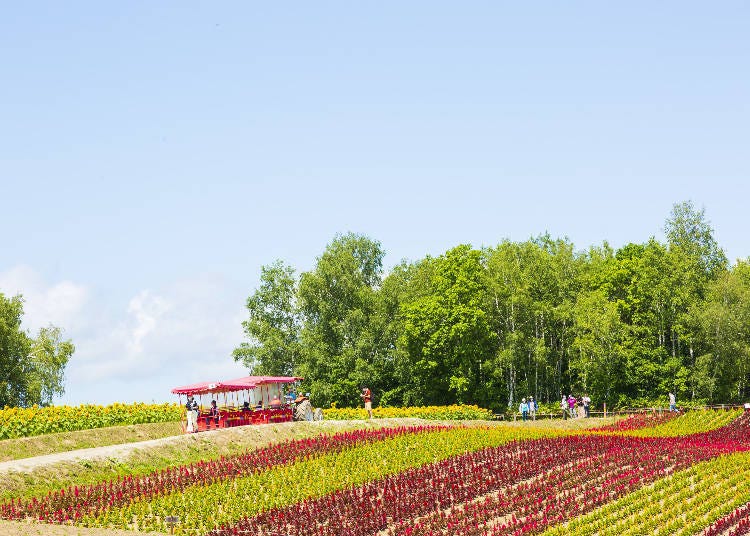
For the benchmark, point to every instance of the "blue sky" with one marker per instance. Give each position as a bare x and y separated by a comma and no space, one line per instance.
154,155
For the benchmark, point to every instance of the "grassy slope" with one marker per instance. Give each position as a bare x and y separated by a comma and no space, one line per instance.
28,447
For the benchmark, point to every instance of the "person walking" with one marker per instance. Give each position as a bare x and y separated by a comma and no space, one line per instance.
532,408
586,405
564,407
524,409
572,406
672,402
367,397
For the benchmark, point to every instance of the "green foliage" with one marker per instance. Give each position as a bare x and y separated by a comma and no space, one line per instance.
519,319
273,325
446,333
31,370
344,332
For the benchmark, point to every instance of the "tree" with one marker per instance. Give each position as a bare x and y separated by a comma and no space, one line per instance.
723,372
47,361
31,370
446,333
598,357
274,324
338,300
689,230
531,288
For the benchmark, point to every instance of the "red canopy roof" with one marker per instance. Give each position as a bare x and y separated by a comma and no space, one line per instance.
254,381
238,384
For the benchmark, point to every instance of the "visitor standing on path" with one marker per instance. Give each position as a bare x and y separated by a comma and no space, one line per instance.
192,414
524,409
532,408
586,405
572,406
564,407
367,397
672,402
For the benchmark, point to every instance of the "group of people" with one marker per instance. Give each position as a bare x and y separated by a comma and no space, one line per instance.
193,412
528,409
575,407
571,407
303,410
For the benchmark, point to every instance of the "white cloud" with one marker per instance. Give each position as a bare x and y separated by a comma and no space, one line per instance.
147,310
59,304
141,348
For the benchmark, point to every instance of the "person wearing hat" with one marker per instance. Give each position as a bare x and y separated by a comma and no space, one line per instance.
303,409
532,408
524,409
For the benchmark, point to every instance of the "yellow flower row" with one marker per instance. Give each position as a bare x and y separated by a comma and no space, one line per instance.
454,412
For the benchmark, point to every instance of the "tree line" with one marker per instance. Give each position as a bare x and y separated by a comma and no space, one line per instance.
489,326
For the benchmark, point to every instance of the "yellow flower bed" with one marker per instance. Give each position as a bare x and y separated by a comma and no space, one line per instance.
454,412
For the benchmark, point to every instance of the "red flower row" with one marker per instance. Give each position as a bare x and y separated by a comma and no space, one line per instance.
638,421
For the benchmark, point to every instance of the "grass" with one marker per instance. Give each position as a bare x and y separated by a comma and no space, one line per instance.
28,447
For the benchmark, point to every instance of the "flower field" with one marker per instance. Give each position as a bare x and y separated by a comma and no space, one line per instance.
24,422
648,474
445,413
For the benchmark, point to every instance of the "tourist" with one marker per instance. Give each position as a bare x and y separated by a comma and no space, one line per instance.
672,402
192,414
532,408
524,409
367,397
303,409
572,406
586,405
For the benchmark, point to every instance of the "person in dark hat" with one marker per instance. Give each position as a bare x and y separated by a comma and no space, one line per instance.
303,409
